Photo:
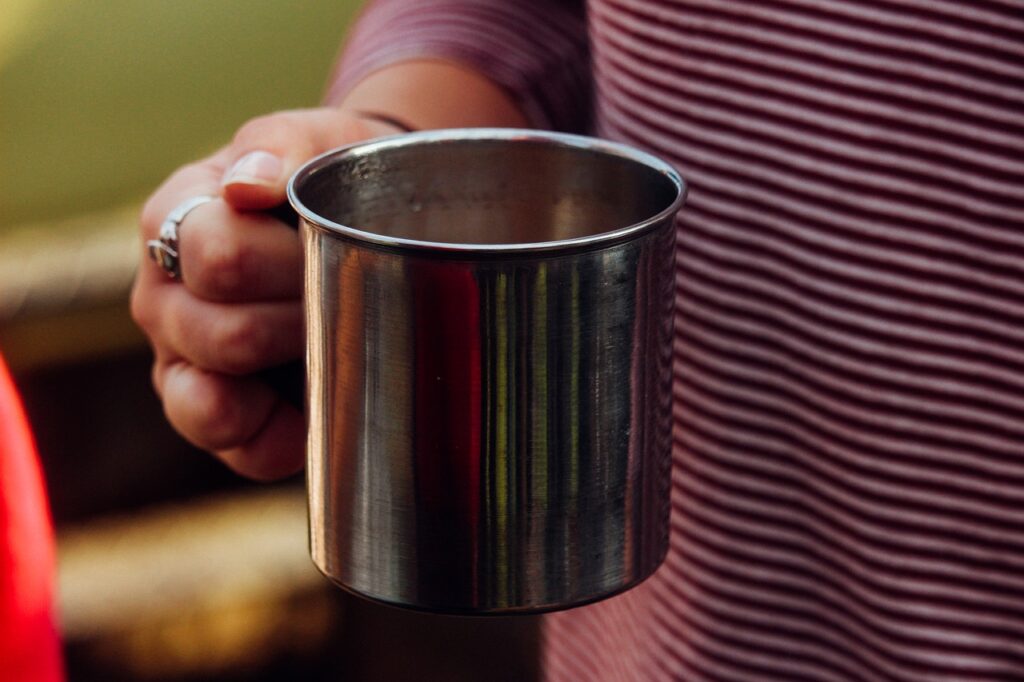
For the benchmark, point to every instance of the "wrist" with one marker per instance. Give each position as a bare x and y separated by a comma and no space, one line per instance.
386,122
427,94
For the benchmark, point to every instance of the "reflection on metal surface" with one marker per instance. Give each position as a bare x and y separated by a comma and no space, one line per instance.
489,383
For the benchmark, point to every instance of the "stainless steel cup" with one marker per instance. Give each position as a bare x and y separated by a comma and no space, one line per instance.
489,322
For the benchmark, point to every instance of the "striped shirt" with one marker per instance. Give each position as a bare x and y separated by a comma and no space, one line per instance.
848,483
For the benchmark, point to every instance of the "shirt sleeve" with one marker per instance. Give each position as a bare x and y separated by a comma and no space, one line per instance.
537,50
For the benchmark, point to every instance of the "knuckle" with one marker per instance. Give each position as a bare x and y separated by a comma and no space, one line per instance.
219,419
242,342
156,378
157,206
261,129
150,218
203,411
223,265
140,308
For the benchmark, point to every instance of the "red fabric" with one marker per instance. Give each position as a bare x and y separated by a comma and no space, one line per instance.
29,647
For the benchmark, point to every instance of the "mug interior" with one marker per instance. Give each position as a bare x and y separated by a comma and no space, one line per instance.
486,191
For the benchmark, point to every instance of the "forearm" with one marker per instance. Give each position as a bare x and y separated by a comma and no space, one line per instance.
427,93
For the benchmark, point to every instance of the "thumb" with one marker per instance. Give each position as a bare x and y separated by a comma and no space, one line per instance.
267,150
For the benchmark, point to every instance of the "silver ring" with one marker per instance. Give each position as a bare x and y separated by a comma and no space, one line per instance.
164,249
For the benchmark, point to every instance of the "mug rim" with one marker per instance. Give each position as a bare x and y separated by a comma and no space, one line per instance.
591,144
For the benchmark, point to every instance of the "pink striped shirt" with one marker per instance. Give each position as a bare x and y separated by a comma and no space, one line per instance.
848,498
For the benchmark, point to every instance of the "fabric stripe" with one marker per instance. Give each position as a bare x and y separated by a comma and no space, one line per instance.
849,469
848,481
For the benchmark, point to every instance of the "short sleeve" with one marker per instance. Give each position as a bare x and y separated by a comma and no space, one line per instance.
537,50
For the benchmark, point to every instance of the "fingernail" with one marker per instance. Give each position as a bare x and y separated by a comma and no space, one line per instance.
255,168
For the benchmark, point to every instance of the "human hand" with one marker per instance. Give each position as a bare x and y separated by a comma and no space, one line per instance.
236,310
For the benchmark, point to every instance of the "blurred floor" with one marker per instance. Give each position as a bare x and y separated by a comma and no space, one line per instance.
173,568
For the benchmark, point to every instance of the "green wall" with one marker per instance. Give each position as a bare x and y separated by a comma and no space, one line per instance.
101,99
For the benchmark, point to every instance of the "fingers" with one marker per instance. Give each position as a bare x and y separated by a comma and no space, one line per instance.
192,180
237,255
277,450
227,338
267,150
230,256
239,419
236,310
224,254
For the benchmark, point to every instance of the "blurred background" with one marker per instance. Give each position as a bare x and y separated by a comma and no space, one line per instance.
171,567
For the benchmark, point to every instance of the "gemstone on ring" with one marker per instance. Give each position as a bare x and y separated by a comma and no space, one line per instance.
164,256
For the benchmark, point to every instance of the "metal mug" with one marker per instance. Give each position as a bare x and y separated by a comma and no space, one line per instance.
489,318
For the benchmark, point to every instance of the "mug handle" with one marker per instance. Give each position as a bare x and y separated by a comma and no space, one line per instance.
289,379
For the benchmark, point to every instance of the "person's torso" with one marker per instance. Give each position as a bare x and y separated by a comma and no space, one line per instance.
848,494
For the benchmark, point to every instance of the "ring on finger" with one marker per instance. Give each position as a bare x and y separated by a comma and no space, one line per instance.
164,249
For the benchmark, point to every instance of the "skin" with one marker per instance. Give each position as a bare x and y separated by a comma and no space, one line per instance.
237,309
